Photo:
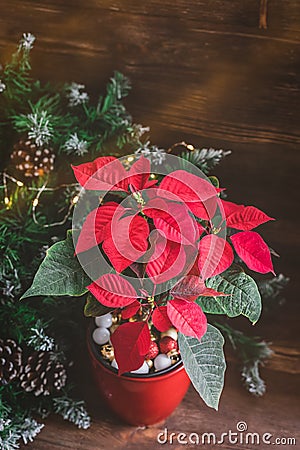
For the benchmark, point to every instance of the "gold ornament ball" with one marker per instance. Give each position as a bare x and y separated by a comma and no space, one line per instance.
150,363
116,319
107,351
114,327
174,356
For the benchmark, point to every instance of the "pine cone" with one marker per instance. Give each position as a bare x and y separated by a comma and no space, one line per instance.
10,360
42,374
32,161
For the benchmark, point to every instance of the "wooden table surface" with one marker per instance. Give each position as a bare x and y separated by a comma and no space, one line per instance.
204,72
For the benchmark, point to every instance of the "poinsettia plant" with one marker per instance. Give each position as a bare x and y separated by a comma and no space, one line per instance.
164,244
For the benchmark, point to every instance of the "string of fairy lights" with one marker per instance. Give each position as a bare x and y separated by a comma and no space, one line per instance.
36,200
189,147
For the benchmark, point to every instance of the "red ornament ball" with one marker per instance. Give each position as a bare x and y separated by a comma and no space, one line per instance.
153,351
167,344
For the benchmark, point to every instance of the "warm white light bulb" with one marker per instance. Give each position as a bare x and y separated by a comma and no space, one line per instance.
190,147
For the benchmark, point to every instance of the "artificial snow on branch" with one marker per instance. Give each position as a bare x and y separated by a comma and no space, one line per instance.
27,41
76,95
29,429
16,429
272,290
39,339
206,158
253,382
39,128
72,410
152,152
75,146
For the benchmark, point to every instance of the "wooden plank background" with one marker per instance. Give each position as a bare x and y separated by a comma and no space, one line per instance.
202,71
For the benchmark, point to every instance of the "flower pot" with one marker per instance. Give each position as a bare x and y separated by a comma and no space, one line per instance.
138,399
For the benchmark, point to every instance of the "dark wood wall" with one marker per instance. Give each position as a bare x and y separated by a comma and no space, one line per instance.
201,70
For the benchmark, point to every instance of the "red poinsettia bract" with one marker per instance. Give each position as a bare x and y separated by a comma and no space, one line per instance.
249,245
124,232
107,173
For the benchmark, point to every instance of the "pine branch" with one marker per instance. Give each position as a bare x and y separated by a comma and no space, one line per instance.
38,126
17,219
44,122
9,436
118,88
16,424
29,429
16,319
133,137
152,152
75,94
10,284
75,146
72,410
205,159
252,353
272,291
15,429
252,379
39,339
16,77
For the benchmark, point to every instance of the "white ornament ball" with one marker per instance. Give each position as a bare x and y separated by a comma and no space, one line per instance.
162,361
104,321
171,332
143,369
114,364
101,335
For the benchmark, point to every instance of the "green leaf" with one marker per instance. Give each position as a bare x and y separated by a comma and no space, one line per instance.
60,273
244,297
205,364
211,305
93,308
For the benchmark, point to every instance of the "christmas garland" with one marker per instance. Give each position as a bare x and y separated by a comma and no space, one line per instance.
44,128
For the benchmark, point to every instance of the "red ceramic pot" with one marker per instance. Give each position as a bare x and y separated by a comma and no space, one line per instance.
139,399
